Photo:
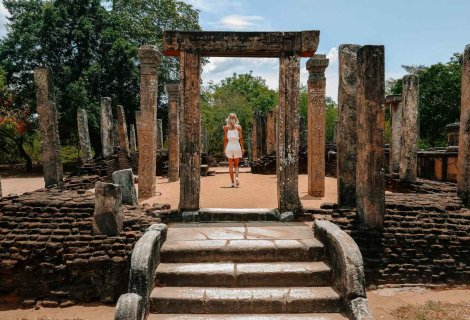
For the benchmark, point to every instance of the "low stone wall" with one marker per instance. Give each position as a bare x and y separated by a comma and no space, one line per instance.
425,239
49,254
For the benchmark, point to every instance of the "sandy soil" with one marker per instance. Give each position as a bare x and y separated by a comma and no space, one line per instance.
382,302
21,185
255,191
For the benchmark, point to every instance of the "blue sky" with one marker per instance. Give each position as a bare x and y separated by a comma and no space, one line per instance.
413,31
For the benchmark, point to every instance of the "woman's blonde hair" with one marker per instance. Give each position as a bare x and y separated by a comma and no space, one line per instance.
232,120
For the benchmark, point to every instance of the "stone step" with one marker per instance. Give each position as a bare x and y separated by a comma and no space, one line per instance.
228,274
300,316
231,214
244,300
241,251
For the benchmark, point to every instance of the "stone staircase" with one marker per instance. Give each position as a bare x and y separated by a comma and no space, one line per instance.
262,270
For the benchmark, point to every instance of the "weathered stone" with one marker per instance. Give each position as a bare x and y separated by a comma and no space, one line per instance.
122,130
463,177
48,127
409,129
271,133
125,179
108,216
190,142
130,306
370,176
1,193
159,134
286,217
346,140
115,134
396,113
84,135
254,139
242,44
288,144
173,132
132,140
316,124
106,127
452,130
147,120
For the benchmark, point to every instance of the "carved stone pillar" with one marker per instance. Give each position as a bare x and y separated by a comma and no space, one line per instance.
122,130
159,134
147,120
107,143
190,160
48,127
254,138
370,136
271,133
409,129
346,138
84,135
173,132
463,177
132,140
288,145
396,112
316,124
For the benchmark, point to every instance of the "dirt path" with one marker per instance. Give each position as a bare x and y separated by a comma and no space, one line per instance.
22,184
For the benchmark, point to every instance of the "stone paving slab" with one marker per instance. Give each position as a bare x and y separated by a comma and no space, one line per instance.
228,274
244,300
305,316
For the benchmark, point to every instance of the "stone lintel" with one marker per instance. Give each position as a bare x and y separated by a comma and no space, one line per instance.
393,99
241,44
173,91
149,55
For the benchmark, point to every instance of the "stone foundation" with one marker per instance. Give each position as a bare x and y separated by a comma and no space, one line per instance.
48,251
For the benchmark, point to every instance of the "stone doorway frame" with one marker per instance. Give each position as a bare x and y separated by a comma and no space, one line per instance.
288,47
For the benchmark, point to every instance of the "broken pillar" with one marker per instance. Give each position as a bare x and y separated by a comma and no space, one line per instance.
132,139
408,161
108,216
463,177
83,135
370,177
288,144
122,130
159,134
173,132
107,127
396,111
346,137
316,124
147,120
48,127
125,179
190,160
270,133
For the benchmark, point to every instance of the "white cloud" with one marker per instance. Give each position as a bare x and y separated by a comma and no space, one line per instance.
214,5
240,22
3,19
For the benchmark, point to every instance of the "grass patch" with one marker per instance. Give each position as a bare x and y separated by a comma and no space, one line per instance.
433,310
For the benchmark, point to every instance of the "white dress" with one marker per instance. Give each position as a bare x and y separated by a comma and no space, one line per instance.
233,149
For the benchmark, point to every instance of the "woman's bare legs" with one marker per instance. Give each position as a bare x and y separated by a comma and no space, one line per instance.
230,169
235,163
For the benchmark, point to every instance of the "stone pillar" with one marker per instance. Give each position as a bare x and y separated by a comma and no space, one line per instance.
409,129
316,124
370,136
116,143
108,216
288,145
396,112
190,157
271,133
463,177
452,130
147,120
173,132
346,138
254,138
48,127
125,179
132,140
159,134
84,135
122,130
106,127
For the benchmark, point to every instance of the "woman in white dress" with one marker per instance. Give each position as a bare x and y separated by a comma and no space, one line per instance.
233,146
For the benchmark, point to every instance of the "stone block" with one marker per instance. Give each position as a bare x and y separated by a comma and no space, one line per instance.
125,179
108,216
287,217
129,307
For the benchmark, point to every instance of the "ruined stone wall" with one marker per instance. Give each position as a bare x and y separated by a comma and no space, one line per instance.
425,238
48,252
